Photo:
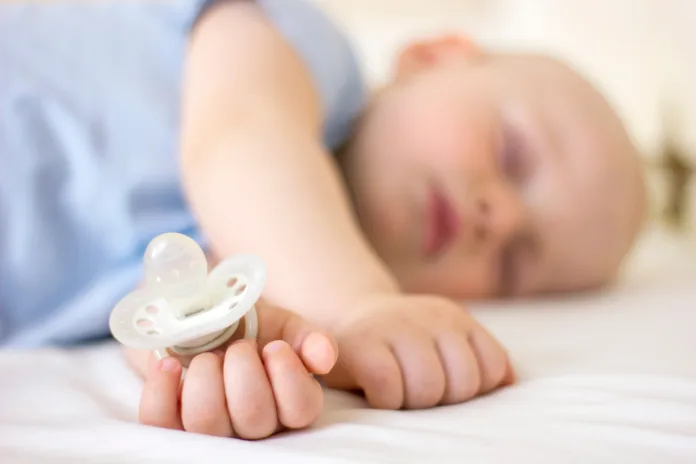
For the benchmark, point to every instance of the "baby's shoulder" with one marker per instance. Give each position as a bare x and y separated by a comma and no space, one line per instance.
330,58
88,55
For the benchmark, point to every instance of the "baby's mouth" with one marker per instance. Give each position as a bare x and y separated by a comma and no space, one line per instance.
442,223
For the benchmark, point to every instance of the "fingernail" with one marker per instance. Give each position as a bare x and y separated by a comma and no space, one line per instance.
275,346
169,365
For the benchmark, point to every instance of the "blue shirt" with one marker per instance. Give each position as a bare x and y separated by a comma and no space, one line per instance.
89,111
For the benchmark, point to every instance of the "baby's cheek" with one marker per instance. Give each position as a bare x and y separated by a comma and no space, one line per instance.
440,140
388,225
457,145
422,131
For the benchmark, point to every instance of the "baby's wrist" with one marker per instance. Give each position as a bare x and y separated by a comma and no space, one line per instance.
363,302
335,305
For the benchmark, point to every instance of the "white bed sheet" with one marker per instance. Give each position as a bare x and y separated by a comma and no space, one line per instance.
606,378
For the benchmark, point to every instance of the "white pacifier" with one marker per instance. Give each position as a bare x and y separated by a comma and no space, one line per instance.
184,309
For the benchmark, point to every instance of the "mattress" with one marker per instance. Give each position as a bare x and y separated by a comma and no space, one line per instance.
608,377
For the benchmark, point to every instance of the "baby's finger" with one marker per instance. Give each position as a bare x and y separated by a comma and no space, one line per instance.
203,403
492,359
250,401
316,348
373,368
461,368
159,403
299,397
318,353
423,373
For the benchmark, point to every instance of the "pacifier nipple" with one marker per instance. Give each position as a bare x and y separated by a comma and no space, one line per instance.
176,269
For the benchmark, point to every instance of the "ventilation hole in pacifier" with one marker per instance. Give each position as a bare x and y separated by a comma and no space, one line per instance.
233,305
144,322
153,332
232,282
152,309
240,290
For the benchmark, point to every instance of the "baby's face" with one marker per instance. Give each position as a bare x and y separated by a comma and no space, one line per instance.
484,176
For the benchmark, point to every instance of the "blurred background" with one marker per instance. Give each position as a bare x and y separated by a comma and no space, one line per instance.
640,53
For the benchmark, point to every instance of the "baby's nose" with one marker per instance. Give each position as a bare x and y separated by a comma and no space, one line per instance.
497,216
482,219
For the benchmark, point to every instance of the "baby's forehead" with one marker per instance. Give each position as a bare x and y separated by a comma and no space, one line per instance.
589,195
598,215
595,204
584,127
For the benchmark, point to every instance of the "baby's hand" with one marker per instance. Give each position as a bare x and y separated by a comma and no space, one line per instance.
249,390
417,352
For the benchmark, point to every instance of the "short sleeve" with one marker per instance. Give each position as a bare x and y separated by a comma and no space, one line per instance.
329,58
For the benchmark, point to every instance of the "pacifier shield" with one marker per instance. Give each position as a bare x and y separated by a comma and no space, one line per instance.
181,303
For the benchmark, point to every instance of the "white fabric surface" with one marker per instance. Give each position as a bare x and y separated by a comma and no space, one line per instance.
604,378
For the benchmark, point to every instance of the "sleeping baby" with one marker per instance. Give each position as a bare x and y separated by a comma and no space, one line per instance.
246,126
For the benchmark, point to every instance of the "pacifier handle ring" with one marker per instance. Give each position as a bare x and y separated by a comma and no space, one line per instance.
250,333
251,324
219,340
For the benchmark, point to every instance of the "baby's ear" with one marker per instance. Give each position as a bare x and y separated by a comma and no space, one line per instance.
434,52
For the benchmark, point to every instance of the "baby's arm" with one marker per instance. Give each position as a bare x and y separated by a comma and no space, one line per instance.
260,181
256,173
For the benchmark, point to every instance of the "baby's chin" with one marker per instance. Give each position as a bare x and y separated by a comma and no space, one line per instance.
419,279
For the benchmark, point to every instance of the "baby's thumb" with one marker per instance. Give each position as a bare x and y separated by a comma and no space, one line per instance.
315,347
510,377
159,401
